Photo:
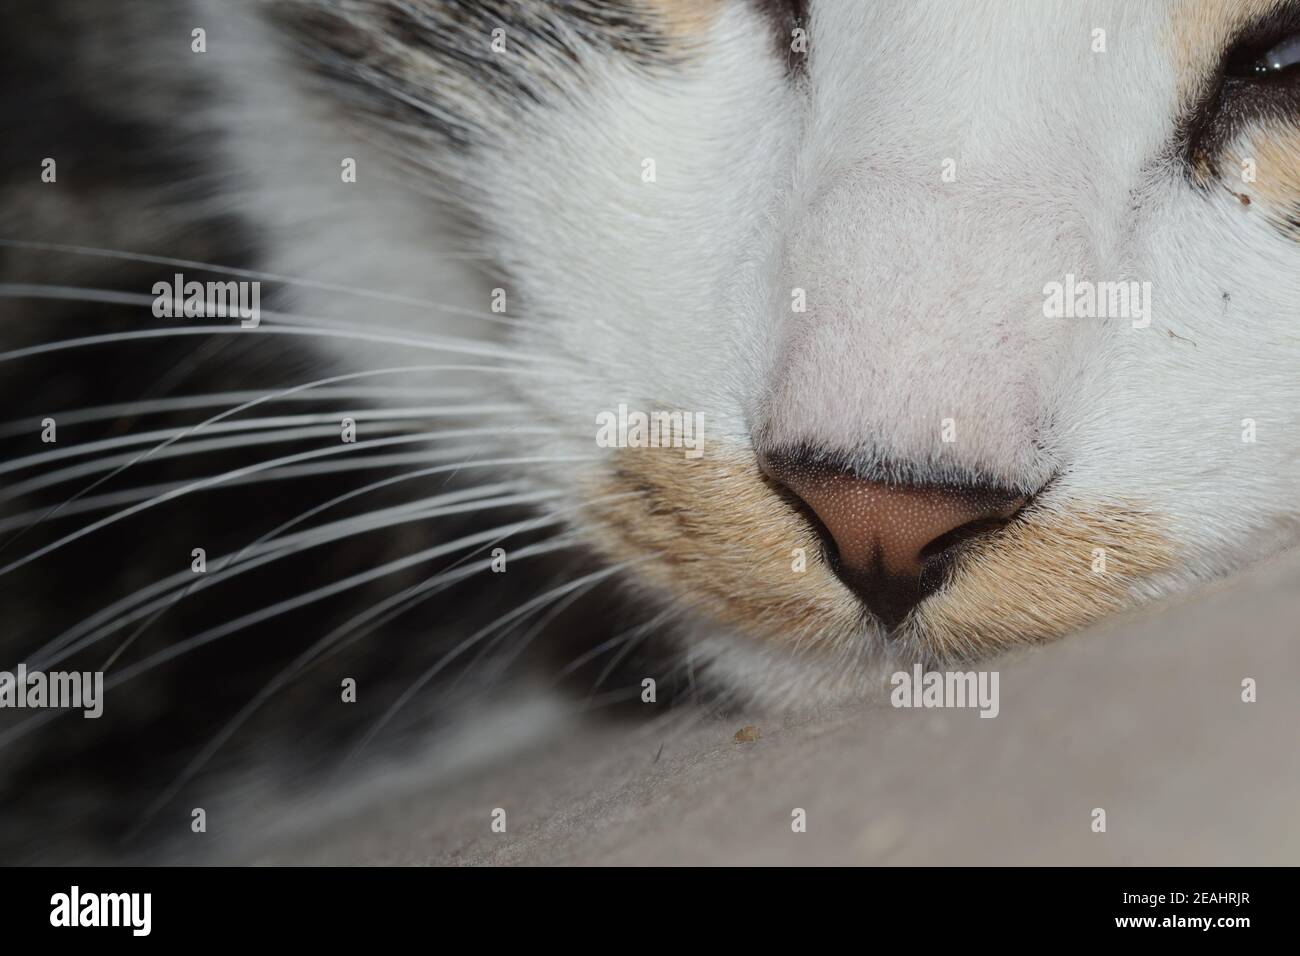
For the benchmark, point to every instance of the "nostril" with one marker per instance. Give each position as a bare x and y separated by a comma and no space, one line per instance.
891,543
939,556
951,540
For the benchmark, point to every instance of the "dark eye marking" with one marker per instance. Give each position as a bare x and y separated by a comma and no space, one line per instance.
398,59
1257,80
785,17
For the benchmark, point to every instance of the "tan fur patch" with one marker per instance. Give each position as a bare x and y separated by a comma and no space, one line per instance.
1202,28
686,17
1275,155
1038,578
724,538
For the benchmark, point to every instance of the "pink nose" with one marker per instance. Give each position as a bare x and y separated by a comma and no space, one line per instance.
889,542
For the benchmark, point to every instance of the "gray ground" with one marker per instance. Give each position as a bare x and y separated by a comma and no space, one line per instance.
1142,717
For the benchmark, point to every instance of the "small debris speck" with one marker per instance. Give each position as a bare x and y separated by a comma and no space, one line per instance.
747,734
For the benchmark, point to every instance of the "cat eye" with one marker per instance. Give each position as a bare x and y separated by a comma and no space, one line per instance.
1274,62
1257,81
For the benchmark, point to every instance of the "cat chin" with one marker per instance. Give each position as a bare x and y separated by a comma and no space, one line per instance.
742,673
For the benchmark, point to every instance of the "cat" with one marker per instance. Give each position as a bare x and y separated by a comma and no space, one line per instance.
985,312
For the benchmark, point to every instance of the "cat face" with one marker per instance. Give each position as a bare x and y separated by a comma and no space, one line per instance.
990,311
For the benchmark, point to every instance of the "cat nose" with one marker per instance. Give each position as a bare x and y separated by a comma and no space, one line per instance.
890,543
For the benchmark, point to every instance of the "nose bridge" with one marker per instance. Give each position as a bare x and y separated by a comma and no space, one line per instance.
880,244
923,337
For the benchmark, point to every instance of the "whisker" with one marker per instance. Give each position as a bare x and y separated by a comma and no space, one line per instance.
591,654
391,607
270,396
302,600
636,637
502,662
282,678
235,558
281,423
182,403
409,476
234,442
404,600
264,276
209,482
540,601
67,293
114,618
237,441
458,348
129,495
105,622
281,548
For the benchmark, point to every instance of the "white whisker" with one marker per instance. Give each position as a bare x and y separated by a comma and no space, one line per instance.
284,547
232,442
181,403
338,530
267,549
280,680
280,423
633,639
268,276
210,482
376,616
268,397
502,662
131,495
480,351
432,672
368,332
302,600
314,538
